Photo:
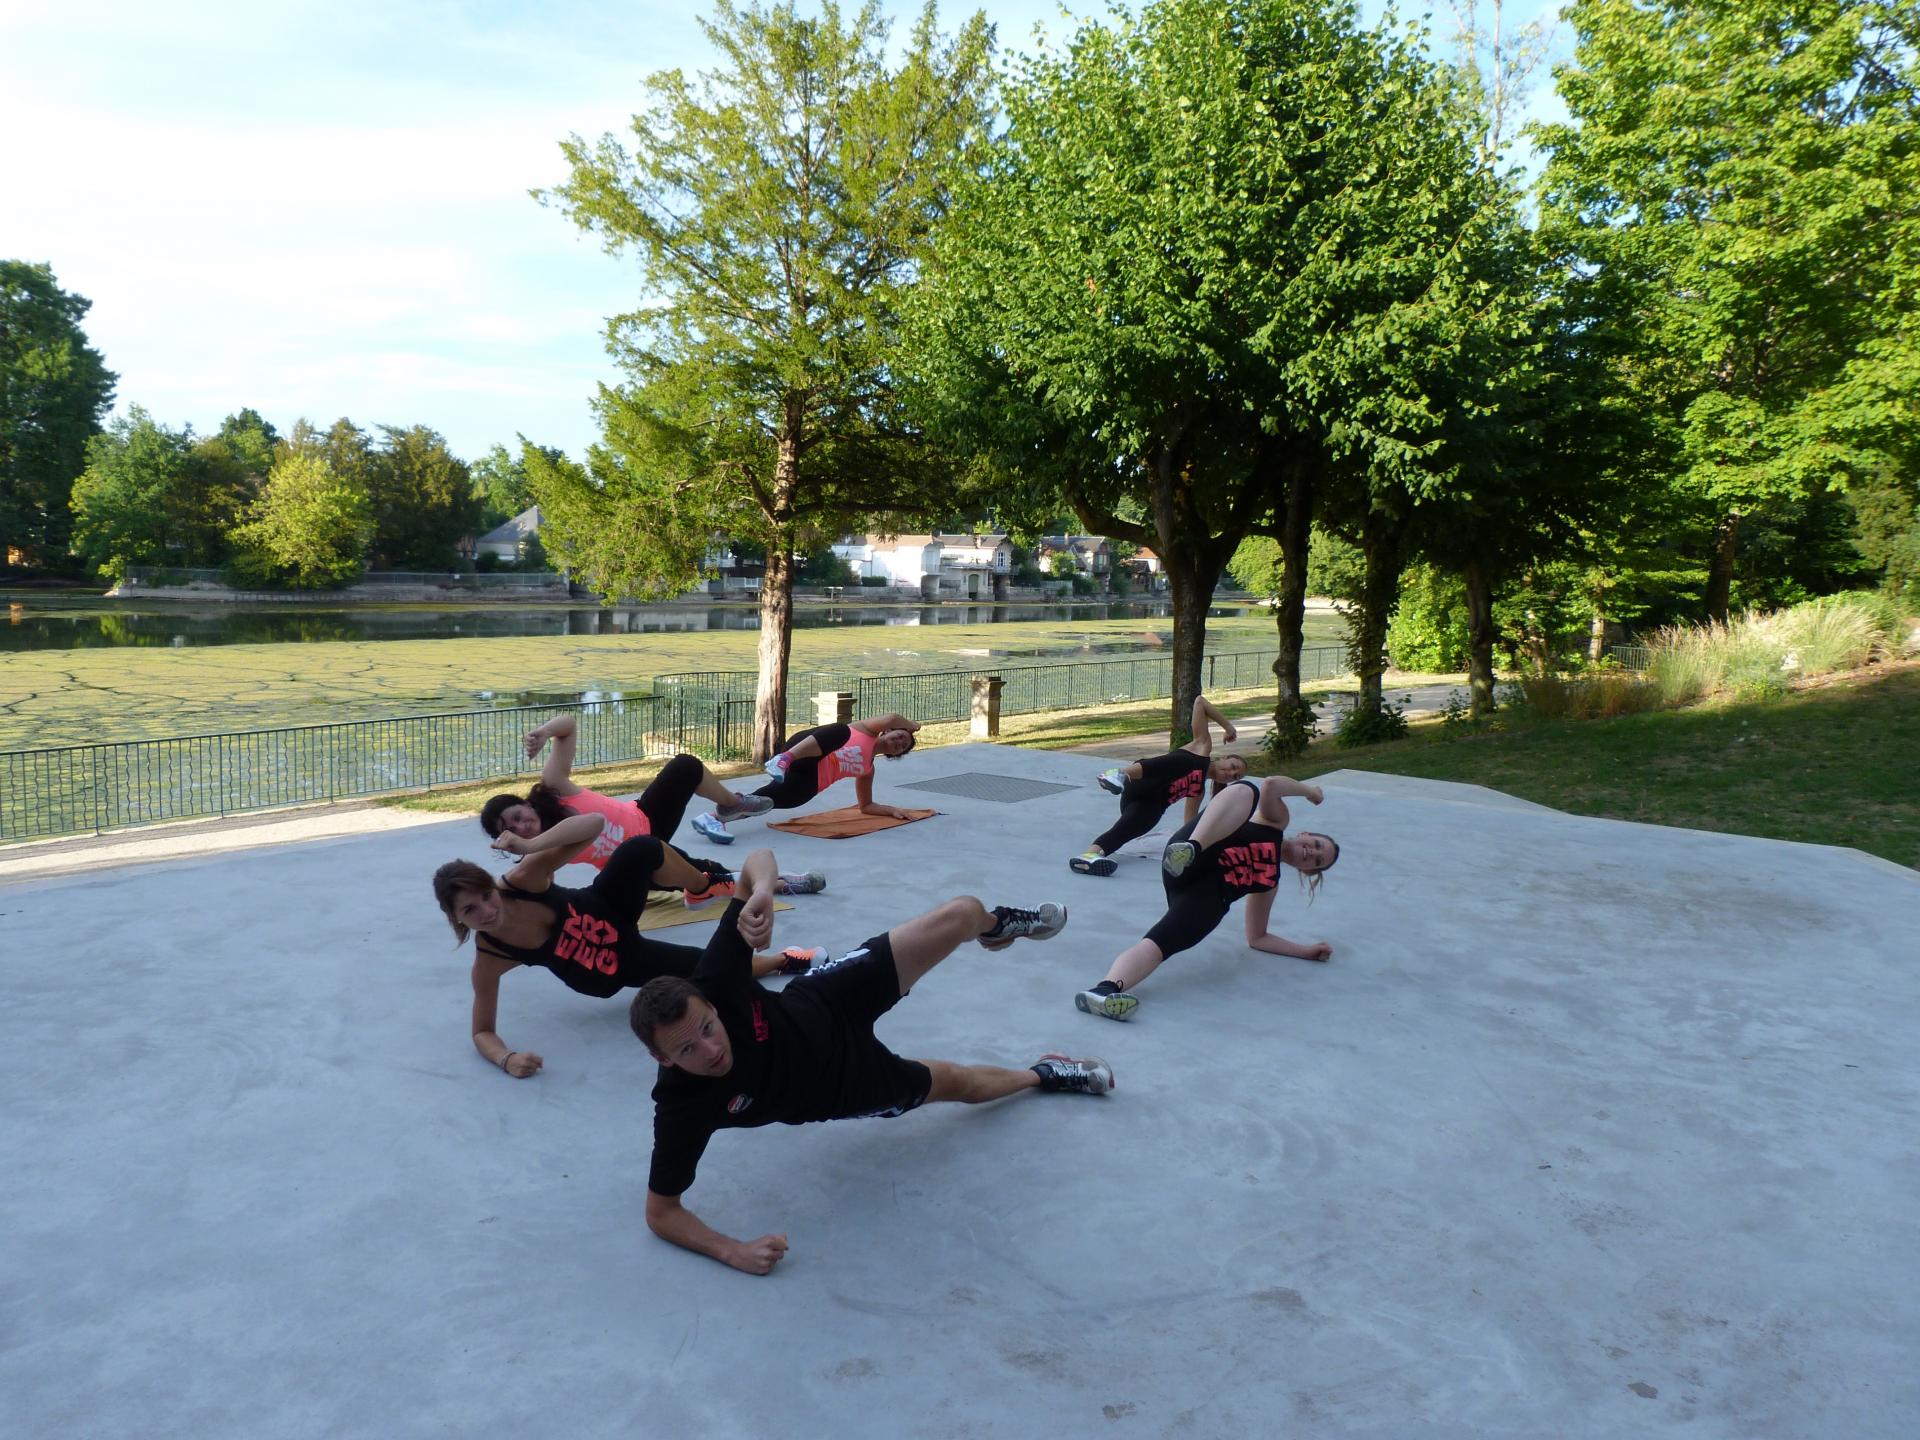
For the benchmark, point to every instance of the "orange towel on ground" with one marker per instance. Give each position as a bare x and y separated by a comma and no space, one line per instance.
839,824
664,911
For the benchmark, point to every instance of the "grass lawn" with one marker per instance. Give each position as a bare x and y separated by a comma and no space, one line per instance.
75,697
1834,764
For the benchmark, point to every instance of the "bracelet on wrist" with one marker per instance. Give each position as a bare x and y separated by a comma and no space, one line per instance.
506,1057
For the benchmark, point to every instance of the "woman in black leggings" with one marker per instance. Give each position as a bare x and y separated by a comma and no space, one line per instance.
1234,852
588,937
811,760
1147,788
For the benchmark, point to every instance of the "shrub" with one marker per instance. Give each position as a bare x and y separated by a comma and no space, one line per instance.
1292,731
1361,726
1598,696
872,582
1428,630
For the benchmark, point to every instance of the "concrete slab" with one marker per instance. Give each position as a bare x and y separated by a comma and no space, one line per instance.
1590,1129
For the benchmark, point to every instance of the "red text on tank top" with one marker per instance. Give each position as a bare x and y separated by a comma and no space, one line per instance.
855,758
1187,786
588,940
1255,866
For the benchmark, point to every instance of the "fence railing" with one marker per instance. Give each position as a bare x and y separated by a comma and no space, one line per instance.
81,788
1630,657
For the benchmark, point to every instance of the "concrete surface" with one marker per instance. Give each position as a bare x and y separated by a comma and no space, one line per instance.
1590,1129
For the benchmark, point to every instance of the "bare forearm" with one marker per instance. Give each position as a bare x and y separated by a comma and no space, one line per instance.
759,874
687,1230
560,725
1288,788
573,833
492,1048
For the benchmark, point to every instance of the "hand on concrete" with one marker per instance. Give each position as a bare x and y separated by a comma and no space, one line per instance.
757,1257
1319,950
522,1063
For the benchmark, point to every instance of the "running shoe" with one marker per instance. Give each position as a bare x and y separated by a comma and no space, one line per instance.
798,959
1117,1006
811,883
743,806
1043,923
720,890
1179,855
1090,1076
1092,863
1113,781
709,827
776,765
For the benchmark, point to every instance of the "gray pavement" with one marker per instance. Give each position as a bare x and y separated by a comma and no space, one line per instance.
1589,1129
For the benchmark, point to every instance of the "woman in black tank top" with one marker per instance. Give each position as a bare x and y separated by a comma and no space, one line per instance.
1235,851
589,937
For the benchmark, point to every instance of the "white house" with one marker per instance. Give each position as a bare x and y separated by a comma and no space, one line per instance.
509,541
932,565
901,560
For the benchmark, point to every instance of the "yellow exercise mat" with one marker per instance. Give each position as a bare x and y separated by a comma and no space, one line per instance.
844,822
664,911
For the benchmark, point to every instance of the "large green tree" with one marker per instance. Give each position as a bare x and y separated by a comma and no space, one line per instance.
151,495
1222,270
54,389
423,499
1739,172
779,204
312,524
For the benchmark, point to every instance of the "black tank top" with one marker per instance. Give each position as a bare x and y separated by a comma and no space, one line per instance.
1247,862
592,948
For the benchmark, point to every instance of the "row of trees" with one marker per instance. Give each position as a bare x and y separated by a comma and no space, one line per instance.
1244,268
311,508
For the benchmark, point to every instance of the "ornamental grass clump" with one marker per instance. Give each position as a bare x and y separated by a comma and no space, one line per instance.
1764,654
1599,696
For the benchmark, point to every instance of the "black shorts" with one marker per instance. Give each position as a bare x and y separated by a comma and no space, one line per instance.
856,990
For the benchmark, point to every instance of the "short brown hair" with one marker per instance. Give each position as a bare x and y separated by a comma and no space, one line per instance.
661,1001
451,881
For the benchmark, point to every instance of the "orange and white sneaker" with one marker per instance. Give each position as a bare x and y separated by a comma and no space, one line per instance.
720,889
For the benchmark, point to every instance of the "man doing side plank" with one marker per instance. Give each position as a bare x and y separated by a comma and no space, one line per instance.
734,1055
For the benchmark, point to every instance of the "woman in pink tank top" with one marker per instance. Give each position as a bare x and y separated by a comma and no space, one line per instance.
814,759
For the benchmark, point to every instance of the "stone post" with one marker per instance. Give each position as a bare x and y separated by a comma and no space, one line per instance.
833,707
986,706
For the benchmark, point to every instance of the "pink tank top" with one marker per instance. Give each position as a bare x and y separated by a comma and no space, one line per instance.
855,758
624,821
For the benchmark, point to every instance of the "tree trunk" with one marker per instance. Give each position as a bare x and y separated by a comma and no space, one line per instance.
1726,545
776,644
1597,637
1380,543
1292,719
1192,593
1479,638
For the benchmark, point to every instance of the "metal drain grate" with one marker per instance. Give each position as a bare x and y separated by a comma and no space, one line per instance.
977,785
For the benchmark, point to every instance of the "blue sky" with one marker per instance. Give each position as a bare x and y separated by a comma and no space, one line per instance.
321,209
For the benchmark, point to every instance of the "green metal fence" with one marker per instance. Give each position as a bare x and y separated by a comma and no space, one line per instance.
81,788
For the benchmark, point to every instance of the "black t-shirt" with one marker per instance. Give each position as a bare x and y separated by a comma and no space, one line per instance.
596,947
789,1055
1177,775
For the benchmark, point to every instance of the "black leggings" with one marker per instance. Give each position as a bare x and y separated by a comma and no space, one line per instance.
1144,801
1195,906
664,801
802,780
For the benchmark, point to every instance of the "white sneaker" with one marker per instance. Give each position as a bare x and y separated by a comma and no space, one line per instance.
1113,781
1117,1006
1042,923
709,827
811,883
776,765
1091,1076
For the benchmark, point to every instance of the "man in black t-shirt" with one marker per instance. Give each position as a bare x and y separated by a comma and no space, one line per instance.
734,1055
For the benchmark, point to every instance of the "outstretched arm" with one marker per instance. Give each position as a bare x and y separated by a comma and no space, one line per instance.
1259,911
1288,788
548,850
671,1220
487,970
557,773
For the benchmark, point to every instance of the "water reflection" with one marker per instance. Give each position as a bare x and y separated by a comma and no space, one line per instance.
55,622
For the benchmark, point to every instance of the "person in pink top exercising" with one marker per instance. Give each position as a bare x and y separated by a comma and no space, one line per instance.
811,760
524,824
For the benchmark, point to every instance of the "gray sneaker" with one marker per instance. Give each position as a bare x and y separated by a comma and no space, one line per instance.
811,883
741,808
1091,1076
709,827
1178,856
1117,1006
1041,923
1113,781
